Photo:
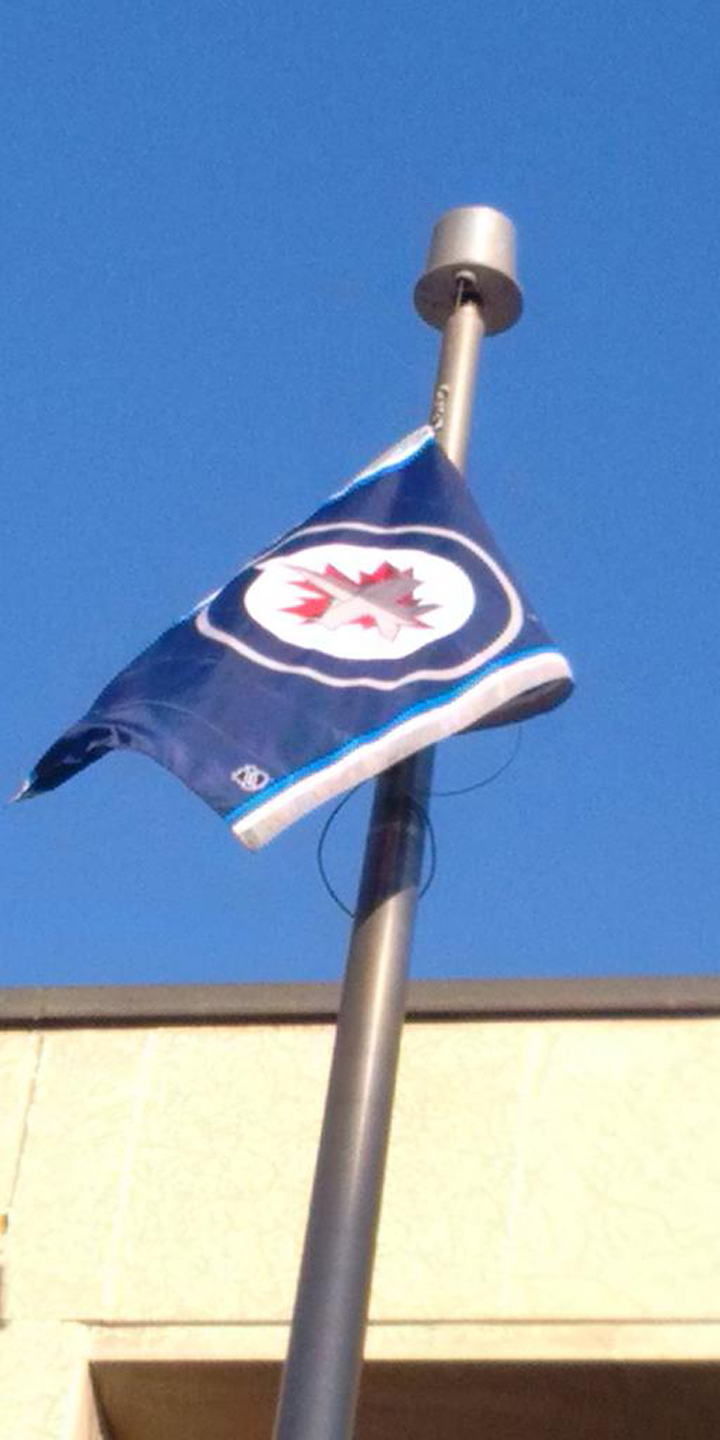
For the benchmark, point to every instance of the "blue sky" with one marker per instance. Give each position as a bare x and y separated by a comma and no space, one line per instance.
213,219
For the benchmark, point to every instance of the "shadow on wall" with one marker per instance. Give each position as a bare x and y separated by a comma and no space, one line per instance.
190,1400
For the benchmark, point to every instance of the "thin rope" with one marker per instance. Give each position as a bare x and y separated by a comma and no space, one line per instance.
430,830
321,847
488,779
320,853
424,816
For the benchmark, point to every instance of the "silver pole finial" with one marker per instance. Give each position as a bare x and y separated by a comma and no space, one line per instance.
476,244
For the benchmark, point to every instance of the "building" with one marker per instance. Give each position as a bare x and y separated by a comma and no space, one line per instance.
549,1254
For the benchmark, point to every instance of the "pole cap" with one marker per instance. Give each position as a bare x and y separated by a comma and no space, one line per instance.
480,242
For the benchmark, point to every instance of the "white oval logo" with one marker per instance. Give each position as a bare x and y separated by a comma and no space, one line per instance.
360,602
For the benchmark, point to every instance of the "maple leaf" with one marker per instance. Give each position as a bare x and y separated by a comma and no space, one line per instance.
315,604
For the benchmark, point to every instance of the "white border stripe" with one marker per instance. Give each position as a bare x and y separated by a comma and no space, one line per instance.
490,693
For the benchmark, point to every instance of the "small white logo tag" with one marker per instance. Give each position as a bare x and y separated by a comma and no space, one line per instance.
250,778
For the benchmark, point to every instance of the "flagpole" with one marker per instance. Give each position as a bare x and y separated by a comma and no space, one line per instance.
467,290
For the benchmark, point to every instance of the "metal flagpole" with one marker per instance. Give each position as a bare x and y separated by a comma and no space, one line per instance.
468,290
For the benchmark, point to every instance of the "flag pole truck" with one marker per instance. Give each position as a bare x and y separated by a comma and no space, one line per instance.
468,290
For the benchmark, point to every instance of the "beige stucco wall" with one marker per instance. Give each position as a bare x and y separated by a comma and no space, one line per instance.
552,1191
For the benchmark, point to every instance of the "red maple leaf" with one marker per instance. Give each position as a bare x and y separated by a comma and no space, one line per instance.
314,605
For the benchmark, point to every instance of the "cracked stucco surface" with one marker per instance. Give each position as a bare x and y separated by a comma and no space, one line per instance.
559,1169
19,1059
542,1174
43,1383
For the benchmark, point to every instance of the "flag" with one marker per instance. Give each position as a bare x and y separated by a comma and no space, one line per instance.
384,623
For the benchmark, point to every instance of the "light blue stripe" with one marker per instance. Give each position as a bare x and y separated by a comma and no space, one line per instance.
369,735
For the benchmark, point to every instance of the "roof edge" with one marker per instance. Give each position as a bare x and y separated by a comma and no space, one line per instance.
78,1006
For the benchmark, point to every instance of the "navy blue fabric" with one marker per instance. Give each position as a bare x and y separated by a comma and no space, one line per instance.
202,710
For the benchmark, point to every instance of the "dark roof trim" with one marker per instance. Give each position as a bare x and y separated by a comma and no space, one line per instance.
128,1005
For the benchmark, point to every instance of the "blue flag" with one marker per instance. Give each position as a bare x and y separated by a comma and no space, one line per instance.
384,623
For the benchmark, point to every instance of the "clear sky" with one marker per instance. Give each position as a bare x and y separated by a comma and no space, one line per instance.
213,218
